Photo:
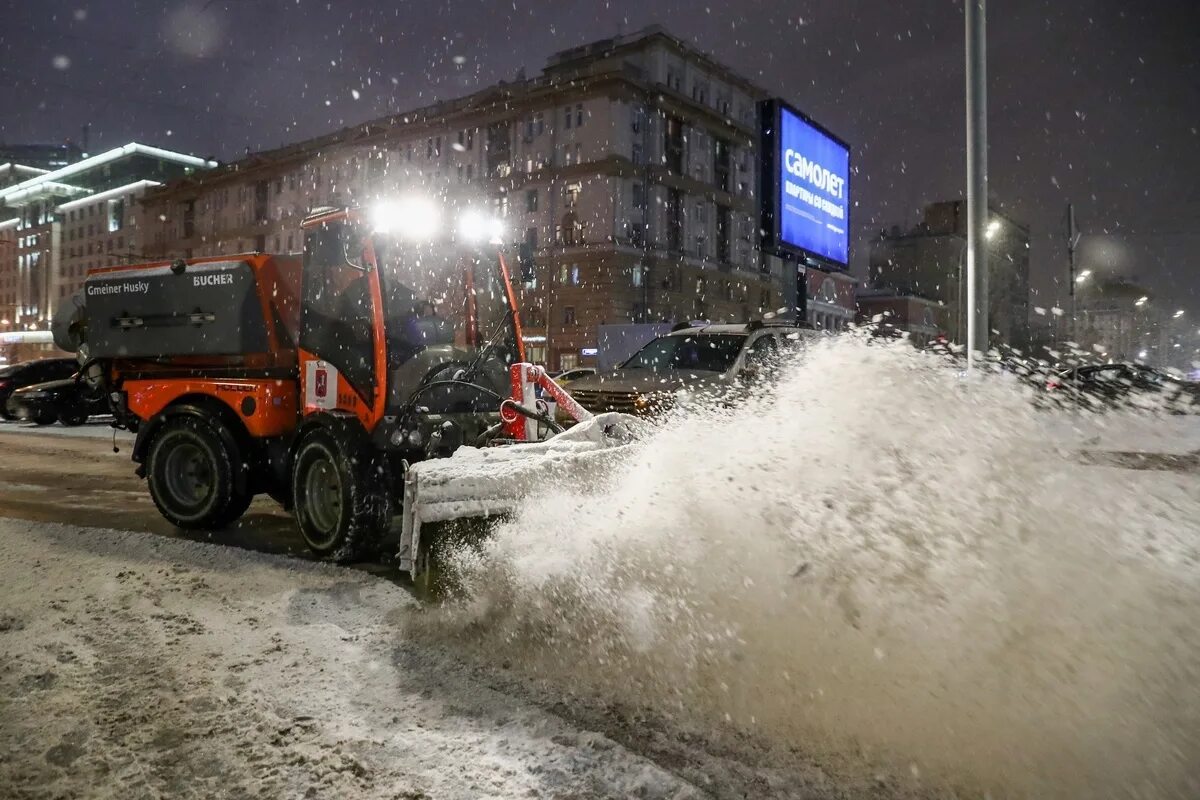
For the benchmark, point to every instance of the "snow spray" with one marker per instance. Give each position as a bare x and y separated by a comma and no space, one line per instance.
879,559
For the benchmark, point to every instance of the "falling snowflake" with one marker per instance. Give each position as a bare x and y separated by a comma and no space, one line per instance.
61,62
354,93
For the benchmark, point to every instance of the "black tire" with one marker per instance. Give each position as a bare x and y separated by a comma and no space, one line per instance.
339,496
45,418
72,417
4,415
191,473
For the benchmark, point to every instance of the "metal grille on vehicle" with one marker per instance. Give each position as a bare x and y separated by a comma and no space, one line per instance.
599,400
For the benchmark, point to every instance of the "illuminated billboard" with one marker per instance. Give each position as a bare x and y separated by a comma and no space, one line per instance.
806,187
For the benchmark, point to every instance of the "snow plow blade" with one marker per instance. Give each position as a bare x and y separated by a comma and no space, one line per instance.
489,483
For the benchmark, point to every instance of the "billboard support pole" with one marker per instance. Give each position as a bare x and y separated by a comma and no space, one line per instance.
801,293
977,181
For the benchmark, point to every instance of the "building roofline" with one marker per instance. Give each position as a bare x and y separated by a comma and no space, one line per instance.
481,101
632,41
133,148
107,193
15,166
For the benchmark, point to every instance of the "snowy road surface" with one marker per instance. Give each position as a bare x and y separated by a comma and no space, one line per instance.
133,665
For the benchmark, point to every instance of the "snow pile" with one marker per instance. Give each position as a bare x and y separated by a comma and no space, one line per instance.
879,558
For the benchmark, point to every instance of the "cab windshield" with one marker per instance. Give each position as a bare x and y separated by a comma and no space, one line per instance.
447,315
713,352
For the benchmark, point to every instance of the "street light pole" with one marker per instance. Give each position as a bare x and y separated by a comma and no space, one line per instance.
1072,241
977,183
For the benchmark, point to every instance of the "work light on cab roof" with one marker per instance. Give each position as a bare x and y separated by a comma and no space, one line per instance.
417,218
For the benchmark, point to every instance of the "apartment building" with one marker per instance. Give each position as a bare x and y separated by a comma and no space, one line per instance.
629,166
55,225
929,261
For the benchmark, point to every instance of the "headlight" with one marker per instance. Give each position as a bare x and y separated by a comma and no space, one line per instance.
475,227
414,218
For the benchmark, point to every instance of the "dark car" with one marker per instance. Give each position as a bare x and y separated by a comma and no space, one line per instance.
702,362
30,372
68,401
1124,385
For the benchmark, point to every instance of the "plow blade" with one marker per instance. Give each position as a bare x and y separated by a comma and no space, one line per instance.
492,482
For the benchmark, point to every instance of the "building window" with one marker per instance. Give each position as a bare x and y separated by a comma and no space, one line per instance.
578,153
570,231
115,215
531,201
470,171
639,196
721,163
567,117
673,145
638,276
723,223
637,121
637,234
579,115
569,315
674,80
539,123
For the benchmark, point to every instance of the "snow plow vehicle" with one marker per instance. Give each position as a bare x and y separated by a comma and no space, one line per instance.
350,384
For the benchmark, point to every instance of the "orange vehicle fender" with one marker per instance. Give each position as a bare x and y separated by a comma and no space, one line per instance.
265,407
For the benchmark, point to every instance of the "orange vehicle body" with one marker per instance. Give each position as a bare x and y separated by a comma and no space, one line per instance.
295,377
268,379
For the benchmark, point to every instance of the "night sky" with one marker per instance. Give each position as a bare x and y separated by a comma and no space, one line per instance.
1094,102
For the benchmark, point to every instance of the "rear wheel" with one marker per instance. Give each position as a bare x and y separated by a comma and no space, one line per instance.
72,417
191,474
339,495
45,418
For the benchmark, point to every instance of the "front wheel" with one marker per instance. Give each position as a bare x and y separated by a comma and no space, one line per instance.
192,475
72,417
339,495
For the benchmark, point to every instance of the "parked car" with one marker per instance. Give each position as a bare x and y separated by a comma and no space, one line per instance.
28,373
692,360
68,401
571,375
1123,385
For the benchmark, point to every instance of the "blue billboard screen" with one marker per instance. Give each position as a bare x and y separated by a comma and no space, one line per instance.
814,189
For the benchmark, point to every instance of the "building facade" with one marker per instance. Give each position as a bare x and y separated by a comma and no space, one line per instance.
57,224
921,319
929,261
629,168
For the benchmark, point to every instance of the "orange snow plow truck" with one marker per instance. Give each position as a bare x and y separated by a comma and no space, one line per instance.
377,375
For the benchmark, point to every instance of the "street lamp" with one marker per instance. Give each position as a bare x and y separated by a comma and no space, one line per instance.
1083,276
1178,314
1141,301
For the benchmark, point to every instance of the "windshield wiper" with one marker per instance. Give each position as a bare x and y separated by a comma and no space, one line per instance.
468,374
